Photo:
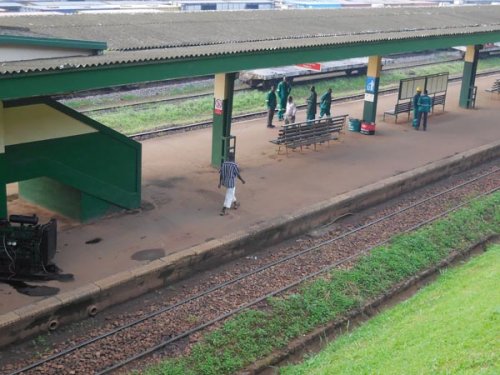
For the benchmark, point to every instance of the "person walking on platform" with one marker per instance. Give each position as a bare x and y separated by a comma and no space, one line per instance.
271,106
312,103
424,107
325,103
227,177
283,91
416,120
291,111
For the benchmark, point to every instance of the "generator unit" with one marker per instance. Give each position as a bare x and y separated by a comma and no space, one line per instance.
26,247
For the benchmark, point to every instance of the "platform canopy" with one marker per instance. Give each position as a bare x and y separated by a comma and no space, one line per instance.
150,47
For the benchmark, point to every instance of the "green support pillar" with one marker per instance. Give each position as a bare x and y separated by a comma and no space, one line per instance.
223,109
3,172
469,76
371,88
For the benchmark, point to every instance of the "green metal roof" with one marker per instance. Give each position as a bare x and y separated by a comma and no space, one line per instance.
151,47
51,42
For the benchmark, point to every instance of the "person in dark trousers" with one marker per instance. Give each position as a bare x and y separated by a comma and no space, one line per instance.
424,107
227,177
325,104
271,106
312,103
416,119
283,91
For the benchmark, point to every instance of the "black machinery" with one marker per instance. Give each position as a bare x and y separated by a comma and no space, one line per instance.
26,247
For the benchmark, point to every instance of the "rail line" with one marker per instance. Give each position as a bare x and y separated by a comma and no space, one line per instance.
164,130
260,269
140,103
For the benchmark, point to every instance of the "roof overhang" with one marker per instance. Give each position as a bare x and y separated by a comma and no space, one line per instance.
184,58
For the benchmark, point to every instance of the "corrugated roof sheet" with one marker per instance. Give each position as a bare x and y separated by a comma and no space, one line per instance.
135,38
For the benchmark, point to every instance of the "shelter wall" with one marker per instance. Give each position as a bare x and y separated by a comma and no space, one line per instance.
68,162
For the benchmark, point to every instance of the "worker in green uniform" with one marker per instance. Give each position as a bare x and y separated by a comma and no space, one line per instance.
416,97
325,103
312,103
424,107
283,92
271,106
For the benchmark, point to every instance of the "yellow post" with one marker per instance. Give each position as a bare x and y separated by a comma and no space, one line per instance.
371,88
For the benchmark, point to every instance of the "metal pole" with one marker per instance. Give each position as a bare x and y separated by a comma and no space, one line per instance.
469,75
223,109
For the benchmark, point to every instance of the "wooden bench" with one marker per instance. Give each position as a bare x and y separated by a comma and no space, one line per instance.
309,133
404,107
495,87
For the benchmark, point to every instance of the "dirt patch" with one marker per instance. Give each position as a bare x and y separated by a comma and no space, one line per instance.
148,254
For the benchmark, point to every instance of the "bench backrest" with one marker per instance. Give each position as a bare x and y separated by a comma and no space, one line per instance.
403,107
310,129
439,99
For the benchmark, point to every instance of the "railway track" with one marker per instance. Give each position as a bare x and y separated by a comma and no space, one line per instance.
224,295
141,103
165,130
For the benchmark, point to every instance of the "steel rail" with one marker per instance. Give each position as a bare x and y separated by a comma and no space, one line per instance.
281,290
245,275
165,129
113,108
304,79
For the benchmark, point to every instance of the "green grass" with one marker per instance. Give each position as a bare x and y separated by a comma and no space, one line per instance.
450,327
130,121
254,334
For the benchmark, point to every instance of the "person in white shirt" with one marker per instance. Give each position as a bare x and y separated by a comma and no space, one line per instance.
291,111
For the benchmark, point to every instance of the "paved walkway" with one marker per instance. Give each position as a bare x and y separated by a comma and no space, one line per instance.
182,202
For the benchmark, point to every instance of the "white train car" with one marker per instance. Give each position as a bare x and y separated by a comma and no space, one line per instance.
265,78
490,49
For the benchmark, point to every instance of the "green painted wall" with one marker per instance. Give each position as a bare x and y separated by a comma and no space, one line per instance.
64,199
104,168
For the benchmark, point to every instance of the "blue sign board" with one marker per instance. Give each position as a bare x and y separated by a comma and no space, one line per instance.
370,85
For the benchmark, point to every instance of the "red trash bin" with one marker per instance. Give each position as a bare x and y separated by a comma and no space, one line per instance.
367,128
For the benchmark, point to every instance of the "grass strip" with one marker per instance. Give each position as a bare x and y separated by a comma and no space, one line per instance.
133,120
254,334
450,327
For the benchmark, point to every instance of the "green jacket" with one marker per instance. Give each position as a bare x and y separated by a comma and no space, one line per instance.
271,100
312,102
326,101
424,103
416,97
283,90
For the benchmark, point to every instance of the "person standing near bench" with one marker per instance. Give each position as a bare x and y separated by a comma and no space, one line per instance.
291,111
283,91
424,107
227,177
416,119
312,103
325,104
271,107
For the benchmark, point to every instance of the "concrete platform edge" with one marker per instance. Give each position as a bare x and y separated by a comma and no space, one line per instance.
85,301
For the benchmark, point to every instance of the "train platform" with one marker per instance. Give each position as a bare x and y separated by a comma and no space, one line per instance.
181,201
